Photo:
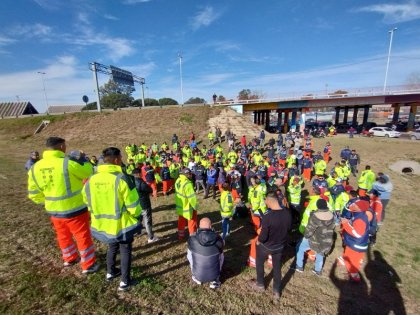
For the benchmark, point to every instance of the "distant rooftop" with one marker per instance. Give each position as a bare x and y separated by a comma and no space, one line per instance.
12,109
56,109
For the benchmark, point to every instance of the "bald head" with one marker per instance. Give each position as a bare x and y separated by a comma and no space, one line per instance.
205,223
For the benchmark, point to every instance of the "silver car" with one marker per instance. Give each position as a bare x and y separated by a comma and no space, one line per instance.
415,135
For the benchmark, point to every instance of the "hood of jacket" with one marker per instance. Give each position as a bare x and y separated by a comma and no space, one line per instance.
207,237
324,216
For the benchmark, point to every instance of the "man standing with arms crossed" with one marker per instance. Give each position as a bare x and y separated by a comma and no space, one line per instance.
114,206
57,182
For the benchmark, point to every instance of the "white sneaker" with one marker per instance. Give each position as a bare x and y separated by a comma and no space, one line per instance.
214,284
196,281
152,240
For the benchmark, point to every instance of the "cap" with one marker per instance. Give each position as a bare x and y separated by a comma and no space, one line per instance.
322,204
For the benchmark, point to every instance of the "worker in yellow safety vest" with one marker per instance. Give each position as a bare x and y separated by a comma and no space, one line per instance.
365,181
226,209
186,203
115,209
56,181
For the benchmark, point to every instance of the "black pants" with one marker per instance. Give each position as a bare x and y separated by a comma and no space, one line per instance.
262,255
213,187
125,249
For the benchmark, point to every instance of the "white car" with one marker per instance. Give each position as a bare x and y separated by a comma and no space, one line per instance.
415,135
384,132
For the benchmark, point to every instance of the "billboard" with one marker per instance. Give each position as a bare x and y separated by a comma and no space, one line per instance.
121,76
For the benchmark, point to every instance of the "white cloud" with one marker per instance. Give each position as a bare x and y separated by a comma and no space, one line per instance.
143,70
110,17
6,40
395,13
31,30
130,2
204,17
49,4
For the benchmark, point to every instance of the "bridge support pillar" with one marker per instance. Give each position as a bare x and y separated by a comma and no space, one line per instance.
294,115
355,112
365,114
346,114
267,120
396,114
286,122
412,117
337,115
279,114
263,117
255,116
258,118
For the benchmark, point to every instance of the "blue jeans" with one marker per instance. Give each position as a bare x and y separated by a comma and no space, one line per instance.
225,226
302,247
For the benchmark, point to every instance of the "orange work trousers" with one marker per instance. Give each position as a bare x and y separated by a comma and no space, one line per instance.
353,260
192,225
154,188
166,186
256,221
307,174
326,157
252,259
77,227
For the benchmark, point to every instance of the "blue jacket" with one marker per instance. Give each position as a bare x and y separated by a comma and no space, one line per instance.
211,176
358,244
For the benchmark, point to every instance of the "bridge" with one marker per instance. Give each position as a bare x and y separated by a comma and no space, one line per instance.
355,100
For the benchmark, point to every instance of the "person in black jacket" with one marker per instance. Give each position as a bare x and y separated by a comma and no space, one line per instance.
200,174
275,225
205,254
144,192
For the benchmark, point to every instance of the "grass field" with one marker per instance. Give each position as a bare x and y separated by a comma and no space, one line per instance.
32,279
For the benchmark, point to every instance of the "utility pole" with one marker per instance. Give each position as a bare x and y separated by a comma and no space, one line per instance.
180,75
389,56
43,85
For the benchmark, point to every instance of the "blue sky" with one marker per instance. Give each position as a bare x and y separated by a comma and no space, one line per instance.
275,47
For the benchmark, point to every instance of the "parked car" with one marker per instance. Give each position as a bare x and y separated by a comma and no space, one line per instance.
366,126
415,135
384,132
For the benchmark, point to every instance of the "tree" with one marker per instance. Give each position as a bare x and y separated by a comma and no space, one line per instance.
167,101
196,100
339,92
116,100
221,98
244,94
90,106
112,87
147,102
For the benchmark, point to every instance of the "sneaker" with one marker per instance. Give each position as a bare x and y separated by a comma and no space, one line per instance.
152,240
92,269
340,261
215,284
112,276
254,285
318,273
196,281
297,268
71,263
126,286
276,296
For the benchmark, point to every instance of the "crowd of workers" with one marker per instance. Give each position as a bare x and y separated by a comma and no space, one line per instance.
263,180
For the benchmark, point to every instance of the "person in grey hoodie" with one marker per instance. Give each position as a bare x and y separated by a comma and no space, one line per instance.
384,186
318,236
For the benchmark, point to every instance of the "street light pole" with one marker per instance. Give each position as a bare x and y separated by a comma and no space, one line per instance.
389,56
180,75
43,85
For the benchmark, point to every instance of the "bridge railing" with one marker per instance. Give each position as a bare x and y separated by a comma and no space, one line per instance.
356,92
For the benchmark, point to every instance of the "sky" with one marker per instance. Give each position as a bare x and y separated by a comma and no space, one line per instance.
277,48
